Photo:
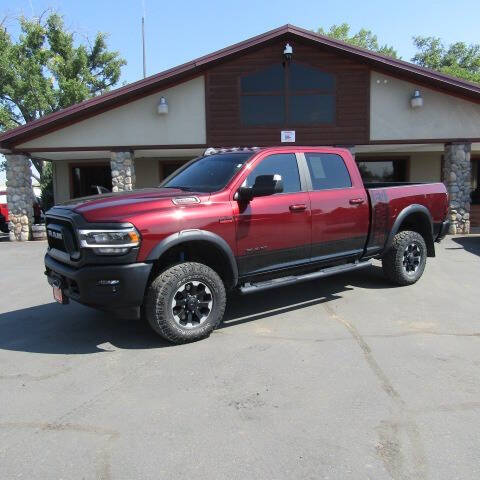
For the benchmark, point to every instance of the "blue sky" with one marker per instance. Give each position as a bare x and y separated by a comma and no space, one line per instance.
183,30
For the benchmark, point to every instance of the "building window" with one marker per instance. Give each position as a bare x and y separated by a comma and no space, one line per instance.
90,179
383,169
294,94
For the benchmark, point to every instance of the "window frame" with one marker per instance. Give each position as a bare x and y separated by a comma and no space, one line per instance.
308,175
287,93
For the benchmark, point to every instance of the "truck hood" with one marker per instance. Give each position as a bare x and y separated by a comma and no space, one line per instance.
122,205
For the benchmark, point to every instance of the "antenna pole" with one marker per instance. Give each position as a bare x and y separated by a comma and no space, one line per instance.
143,46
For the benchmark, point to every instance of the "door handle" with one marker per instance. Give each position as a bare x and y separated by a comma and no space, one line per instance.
300,207
356,201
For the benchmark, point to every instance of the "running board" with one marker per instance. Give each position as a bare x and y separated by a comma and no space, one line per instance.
281,282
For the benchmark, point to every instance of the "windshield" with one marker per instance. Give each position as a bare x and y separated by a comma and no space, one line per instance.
208,174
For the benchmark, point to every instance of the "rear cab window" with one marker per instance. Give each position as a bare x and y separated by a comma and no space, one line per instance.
327,171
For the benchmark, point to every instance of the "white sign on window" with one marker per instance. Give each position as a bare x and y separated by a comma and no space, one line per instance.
287,136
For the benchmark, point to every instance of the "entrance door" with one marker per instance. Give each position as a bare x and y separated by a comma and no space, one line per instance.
274,231
87,177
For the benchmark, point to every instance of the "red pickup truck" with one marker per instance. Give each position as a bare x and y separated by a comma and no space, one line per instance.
249,219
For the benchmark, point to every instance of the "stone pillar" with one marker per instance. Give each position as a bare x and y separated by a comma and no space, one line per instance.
123,171
457,179
19,197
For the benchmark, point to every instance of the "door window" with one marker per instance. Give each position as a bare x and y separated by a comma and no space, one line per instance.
327,170
282,164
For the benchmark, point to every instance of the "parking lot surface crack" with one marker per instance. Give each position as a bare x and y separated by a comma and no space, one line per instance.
390,448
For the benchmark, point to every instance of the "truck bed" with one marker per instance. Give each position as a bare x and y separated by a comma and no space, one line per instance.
387,200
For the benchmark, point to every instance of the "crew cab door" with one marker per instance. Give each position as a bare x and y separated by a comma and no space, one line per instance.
339,206
274,231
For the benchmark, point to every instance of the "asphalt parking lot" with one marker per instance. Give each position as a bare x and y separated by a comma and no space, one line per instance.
343,378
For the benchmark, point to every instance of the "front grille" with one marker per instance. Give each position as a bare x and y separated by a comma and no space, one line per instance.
61,235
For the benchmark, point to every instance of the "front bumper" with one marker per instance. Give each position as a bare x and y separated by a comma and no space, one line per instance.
85,285
444,228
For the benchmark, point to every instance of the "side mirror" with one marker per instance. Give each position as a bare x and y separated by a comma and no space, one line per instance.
264,185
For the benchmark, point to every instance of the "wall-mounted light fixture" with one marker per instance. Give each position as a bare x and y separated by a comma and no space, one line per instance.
417,100
162,107
288,52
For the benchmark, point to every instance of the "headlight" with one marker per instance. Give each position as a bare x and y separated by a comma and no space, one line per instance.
110,242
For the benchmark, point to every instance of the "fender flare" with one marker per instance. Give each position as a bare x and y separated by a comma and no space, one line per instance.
199,235
407,211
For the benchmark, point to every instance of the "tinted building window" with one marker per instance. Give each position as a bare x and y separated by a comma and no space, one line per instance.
263,109
327,171
383,170
305,77
288,95
311,109
270,79
283,164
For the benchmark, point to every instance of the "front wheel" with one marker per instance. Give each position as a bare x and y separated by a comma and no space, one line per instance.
186,302
405,260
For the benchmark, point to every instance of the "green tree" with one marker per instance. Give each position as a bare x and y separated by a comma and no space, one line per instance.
363,38
45,69
458,59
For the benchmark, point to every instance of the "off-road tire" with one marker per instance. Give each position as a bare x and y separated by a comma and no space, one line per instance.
158,311
393,260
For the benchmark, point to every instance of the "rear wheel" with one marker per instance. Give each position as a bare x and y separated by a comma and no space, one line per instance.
405,260
186,302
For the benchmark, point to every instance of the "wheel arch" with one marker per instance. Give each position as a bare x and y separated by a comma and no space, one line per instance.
198,245
418,219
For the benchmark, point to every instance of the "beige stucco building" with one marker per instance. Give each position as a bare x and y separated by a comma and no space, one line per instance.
402,122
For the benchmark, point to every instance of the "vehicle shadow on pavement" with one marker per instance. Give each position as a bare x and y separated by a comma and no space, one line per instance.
75,329
248,308
72,329
470,244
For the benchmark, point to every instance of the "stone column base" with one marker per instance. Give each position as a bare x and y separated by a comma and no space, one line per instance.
19,197
456,176
123,171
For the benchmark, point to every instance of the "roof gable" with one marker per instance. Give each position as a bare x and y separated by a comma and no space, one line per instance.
188,70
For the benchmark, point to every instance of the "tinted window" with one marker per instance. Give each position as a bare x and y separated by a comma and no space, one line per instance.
267,80
263,109
208,174
288,95
311,109
383,170
283,164
304,77
327,170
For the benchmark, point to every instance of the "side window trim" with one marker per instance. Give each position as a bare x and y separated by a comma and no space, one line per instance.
308,178
305,179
